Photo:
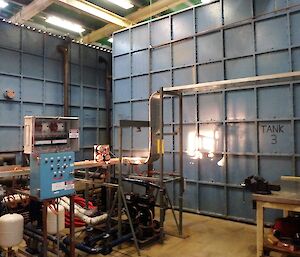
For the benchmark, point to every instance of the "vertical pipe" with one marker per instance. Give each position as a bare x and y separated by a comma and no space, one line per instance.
86,190
64,50
108,193
57,228
119,183
72,227
181,186
150,165
107,97
45,233
66,82
161,156
108,107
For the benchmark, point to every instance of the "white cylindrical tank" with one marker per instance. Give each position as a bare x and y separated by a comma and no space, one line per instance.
52,214
11,230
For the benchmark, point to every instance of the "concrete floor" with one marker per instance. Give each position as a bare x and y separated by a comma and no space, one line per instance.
207,237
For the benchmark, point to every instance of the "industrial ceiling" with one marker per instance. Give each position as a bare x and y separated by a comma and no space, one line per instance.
90,22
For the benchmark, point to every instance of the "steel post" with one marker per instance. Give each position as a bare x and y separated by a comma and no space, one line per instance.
161,156
72,227
181,187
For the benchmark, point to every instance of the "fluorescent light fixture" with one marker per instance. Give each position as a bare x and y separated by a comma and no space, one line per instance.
96,11
205,1
122,3
3,4
110,40
65,24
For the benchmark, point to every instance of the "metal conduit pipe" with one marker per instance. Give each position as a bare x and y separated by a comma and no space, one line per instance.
8,182
34,233
64,50
140,182
29,235
50,237
94,175
107,96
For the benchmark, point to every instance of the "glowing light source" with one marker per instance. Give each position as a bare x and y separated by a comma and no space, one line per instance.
3,4
68,25
205,1
221,162
95,11
134,160
192,143
125,4
205,142
208,140
210,155
198,155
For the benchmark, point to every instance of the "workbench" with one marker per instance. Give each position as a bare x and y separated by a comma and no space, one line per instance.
287,199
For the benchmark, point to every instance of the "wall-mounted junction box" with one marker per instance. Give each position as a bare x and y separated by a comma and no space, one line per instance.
50,134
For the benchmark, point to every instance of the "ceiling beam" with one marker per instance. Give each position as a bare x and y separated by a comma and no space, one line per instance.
140,15
31,10
80,6
95,11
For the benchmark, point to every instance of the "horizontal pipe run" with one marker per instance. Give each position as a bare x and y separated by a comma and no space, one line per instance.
99,250
39,236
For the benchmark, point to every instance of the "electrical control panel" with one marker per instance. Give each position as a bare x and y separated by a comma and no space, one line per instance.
52,175
50,134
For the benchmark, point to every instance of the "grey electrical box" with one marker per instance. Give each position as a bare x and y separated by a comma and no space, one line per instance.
50,134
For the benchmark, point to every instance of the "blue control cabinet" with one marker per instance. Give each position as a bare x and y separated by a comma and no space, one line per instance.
52,175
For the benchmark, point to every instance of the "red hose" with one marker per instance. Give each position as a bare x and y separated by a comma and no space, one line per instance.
77,221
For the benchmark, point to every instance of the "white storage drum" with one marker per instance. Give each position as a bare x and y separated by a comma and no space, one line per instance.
11,230
52,214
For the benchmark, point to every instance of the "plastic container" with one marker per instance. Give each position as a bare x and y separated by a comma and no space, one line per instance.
52,214
11,230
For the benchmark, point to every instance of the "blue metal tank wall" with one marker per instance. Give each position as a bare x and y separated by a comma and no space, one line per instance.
256,129
32,67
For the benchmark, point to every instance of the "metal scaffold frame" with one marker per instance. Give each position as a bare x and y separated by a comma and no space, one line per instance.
163,194
162,93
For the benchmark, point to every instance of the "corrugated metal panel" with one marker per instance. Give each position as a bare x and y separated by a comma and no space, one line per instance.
32,67
234,39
